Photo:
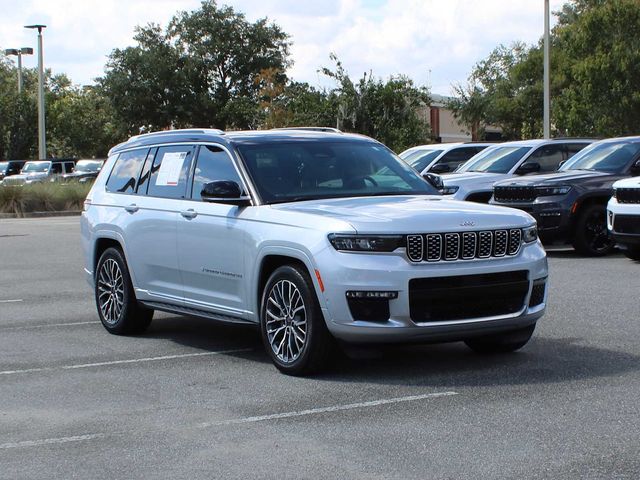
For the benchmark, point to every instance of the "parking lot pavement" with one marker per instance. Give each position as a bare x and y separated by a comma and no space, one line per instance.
192,399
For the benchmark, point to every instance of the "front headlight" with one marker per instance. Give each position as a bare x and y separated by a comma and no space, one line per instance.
530,234
548,191
366,243
450,190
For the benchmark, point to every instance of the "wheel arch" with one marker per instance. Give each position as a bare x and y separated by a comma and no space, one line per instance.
270,260
581,204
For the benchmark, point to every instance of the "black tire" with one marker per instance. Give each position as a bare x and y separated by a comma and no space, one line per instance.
591,237
502,342
633,253
282,326
118,309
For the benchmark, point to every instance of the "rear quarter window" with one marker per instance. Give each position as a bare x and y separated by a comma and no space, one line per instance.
126,170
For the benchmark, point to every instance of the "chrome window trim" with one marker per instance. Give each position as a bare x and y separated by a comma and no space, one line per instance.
237,163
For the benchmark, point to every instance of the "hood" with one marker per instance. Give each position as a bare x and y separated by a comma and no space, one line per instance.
473,178
633,182
410,214
30,175
566,177
80,174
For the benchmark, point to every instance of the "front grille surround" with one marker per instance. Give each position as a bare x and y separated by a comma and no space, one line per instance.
464,246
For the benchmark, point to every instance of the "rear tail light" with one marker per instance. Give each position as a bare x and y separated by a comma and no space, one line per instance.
87,204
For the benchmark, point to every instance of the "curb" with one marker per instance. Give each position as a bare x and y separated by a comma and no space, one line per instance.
63,213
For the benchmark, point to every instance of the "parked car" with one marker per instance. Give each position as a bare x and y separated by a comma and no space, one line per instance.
10,167
84,171
623,216
570,205
441,157
313,236
40,171
474,180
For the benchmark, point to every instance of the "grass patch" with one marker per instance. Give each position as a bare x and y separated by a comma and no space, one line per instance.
43,197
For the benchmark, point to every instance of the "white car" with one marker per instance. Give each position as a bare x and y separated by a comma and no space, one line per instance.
474,180
441,157
623,216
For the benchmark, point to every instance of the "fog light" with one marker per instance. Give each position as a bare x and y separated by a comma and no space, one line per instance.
372,295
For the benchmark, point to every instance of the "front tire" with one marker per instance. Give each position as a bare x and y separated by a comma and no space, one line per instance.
293,328
502,342
591,236
116,302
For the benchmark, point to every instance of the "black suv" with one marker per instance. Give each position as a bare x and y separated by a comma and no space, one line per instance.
10,167
570,204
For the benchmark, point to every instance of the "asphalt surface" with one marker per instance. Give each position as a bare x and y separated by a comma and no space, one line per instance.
192,399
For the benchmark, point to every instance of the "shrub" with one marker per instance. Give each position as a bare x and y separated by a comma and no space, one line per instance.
43,197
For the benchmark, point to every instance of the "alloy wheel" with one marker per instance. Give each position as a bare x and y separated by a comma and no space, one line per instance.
110,291
596,232
286,322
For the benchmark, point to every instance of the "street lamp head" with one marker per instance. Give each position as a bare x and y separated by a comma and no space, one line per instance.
39,27
11,51
26,51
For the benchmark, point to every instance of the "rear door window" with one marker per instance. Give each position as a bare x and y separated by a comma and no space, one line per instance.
125,173
548,157
56,168
170,171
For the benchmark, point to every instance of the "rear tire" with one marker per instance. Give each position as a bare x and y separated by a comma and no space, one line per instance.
633,253
502,342
292,326
591,236
118,309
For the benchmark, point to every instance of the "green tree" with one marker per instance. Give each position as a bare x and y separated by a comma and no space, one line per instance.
387,111
200,71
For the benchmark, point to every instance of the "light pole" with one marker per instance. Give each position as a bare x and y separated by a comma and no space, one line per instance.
546,115
19,52
42,140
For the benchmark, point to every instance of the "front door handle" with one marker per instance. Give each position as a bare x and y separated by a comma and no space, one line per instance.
133,208
189,214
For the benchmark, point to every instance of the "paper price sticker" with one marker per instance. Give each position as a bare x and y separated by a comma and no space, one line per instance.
170,168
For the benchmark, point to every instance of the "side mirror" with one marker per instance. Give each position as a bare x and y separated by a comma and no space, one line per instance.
440,168
530,167
635,168
224,191
435,180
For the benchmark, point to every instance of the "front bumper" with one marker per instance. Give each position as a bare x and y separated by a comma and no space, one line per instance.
342,272
554,218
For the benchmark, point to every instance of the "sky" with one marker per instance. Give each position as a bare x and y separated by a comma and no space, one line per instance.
434,42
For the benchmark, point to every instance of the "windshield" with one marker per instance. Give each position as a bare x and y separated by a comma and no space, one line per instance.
495,160
3,166
421,160
87,166
307,170
31,167
603,157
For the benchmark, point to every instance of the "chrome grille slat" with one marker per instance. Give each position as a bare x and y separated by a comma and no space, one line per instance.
434,247
452,246
415,248
500,239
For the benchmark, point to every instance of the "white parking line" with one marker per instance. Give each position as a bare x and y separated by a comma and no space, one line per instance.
335,408
49,441
47,325
16,300
121,362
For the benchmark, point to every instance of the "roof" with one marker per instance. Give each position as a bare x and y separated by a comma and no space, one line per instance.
541,141
241,137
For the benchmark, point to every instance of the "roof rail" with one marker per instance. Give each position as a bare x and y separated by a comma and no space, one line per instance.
311,129
212,131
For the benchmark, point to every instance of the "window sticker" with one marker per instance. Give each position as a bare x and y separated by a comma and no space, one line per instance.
170,168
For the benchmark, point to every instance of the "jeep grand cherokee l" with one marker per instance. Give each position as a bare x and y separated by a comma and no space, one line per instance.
570,205
313,236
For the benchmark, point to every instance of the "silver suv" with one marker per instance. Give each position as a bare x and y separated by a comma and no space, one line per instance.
313,236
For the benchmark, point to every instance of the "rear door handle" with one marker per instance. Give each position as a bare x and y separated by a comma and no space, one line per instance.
189,214
133,208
